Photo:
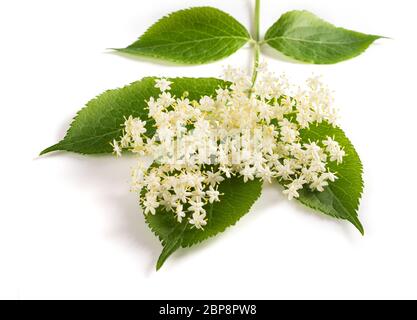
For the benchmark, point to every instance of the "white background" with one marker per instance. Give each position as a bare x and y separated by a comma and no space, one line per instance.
69,228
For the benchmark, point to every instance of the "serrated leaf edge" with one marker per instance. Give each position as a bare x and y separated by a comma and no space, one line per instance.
163,241
130,50
367,42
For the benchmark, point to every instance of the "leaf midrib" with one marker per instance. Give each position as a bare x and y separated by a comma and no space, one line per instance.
69,143
187,42
314,41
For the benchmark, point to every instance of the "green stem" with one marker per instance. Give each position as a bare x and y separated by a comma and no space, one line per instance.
255,64
256,42
257,14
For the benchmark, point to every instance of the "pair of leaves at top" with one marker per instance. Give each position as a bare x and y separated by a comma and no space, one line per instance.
204,34
101,121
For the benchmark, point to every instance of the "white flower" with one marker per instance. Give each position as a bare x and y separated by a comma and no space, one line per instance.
248,173
265,111
265,174
206,103
179,211
292,189
181,193
288,135
198,220
154,107
337,155
165,99
167,200
117,150
309,174
335,151
284,170
330,176
150,204
227,172
213,178
291,192
316,169
196,206
165,134
319,183
163,84
288,104
198,195
313,150
222,94
330,144
213,194
125,141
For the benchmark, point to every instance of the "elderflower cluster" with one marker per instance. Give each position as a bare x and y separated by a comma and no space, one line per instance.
250,132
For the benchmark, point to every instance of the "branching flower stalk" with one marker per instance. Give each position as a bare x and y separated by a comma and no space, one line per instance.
199,144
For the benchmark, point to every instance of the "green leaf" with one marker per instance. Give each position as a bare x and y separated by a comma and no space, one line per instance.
101,120
191,36
340,199
305,37
237,199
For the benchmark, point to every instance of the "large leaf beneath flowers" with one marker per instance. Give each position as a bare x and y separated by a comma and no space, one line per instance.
305,37
237,199
341,198
96,125
191,36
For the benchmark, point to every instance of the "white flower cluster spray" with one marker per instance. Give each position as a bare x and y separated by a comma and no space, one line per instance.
244,130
